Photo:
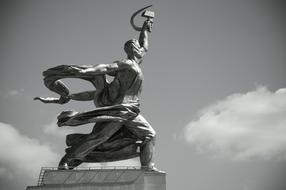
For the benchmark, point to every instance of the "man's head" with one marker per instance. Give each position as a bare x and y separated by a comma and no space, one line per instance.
132,49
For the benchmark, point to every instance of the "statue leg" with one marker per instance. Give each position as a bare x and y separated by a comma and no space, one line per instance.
147,150
65,165
143,131
101,133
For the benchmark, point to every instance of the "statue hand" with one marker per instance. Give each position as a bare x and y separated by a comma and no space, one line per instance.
64,99
61,100
38,98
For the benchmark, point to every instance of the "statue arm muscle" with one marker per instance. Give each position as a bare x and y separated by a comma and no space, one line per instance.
102,69
83,96
143,37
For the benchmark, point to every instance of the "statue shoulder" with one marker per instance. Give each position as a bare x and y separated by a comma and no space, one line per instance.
125,63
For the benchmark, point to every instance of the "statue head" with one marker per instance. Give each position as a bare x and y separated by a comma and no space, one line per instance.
132,49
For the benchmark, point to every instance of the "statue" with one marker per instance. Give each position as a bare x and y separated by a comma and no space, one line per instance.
119,127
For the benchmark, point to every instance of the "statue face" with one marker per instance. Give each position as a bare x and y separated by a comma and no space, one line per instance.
135,45
136,49
133,48
150,25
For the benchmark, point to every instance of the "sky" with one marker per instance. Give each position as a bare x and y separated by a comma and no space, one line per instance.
214,86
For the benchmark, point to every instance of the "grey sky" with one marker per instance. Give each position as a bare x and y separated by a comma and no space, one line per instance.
200,52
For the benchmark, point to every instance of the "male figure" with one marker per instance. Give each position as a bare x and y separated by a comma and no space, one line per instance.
117,107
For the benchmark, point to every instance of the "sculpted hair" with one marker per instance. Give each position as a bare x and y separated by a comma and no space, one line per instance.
128,45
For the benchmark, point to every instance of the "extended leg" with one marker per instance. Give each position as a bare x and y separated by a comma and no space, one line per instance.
100,134
143,131
147,150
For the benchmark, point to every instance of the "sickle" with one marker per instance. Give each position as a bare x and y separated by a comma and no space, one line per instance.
137,28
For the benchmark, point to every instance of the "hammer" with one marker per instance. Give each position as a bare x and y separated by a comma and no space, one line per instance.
148,14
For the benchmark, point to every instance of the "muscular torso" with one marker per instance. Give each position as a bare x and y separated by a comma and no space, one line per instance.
130,80
127,84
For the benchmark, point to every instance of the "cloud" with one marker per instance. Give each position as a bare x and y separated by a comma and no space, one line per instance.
13,93
22,157
53,129
242,126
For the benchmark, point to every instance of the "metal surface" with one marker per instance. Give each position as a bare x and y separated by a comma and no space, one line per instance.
106,178
118,122
137,28
95,170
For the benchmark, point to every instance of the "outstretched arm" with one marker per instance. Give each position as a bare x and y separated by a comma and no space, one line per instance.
102,69
53,75
83,96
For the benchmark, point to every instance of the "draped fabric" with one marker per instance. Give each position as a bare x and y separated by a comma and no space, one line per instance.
119,126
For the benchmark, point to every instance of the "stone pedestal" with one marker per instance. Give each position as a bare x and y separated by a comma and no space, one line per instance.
100,179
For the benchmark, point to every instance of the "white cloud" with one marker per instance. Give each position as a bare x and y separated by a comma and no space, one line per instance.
12,93
22,157
243,126
53,129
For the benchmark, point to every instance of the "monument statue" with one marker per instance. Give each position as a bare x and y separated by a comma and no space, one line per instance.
119,127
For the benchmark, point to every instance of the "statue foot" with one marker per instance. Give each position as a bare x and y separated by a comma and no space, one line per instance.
68,164
150,169
63,167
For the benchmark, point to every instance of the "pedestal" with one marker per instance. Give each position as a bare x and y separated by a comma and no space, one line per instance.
100,179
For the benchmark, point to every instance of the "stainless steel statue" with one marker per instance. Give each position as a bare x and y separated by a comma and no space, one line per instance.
119,127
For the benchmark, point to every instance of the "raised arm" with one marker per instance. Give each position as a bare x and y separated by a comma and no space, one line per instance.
143,37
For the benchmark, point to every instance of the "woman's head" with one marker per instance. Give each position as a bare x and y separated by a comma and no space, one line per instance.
132,49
